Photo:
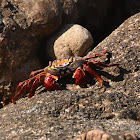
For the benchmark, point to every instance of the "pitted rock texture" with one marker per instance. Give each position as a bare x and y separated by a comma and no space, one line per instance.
102,135
68,113
63,115
43,17
71,40
123,45
22,24
70,11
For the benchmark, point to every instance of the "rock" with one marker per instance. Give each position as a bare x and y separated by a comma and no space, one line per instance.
94,134
102,135
71,40
43,17
70,11
22,24
68,113
62,115
123,45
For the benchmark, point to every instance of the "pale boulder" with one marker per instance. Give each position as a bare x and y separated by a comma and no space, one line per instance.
71,40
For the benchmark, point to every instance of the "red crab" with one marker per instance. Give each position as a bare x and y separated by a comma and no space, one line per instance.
58,69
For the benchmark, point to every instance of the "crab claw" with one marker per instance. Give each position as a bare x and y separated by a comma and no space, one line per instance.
49,82
80,76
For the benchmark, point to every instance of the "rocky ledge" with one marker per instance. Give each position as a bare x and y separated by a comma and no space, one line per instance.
64,114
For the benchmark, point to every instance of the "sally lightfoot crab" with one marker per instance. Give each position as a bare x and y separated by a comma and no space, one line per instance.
59,69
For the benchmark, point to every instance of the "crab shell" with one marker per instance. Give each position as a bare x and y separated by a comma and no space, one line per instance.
65,66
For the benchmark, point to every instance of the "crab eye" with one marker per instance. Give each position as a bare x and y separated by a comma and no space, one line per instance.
71,59
50,63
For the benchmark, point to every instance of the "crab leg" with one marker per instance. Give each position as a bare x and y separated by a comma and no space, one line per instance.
21,87
33,73
36,83
80,76
98,63
96,55
88,69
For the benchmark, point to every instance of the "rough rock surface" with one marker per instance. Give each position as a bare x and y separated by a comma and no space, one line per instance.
70,11
43,17
71,40
67,113
22,24
124,46
102,135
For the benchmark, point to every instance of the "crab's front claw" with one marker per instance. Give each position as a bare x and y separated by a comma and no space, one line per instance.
80,77
49,82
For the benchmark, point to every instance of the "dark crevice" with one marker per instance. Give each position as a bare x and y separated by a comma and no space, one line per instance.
1,23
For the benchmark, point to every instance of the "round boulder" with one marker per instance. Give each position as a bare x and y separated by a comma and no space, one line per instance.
71,40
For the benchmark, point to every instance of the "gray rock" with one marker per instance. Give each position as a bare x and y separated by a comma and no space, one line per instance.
123,45
65,114
102,135
43,17
71,40
70,11
68,113
22,24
